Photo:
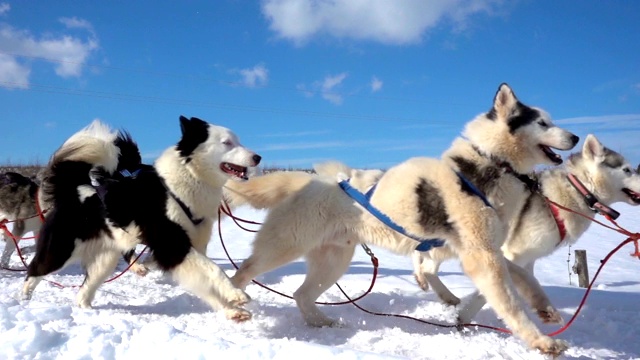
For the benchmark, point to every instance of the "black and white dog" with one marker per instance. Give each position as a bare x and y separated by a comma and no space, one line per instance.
105,202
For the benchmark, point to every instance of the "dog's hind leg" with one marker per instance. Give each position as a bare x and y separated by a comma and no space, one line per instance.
265,256
10,245
325,265
425,270
98,268
205,279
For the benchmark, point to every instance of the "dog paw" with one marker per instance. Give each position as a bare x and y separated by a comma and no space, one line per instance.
139,270
239,298
549,346
238,315
550,316
422,282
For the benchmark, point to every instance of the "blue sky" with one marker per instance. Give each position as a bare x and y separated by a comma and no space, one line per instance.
370,83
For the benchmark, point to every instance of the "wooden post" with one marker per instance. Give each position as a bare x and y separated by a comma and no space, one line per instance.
580,267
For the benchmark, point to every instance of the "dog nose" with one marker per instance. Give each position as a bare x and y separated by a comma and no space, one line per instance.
257,158
575,139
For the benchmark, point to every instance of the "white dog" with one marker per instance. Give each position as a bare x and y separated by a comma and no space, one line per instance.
467,199
539,229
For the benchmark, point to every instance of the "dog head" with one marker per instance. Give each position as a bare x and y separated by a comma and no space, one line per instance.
521,135
213,152
610,175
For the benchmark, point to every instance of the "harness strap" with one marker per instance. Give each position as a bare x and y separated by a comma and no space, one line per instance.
591,200
562,229
363,200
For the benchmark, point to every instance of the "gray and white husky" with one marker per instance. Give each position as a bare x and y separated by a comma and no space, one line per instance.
539,228
429,198
18,206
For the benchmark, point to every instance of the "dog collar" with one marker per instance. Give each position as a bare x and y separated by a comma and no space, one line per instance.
591,200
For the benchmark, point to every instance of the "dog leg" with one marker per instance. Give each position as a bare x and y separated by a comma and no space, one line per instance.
488,270
325,265
264,258
426,273
528,287
210,283
138,268
98,268
10,245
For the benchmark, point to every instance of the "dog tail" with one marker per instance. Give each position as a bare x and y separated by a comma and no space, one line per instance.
266,191
95,146
334,169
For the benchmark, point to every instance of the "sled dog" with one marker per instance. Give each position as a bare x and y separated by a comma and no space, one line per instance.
107,202
467,199
538,228
17,205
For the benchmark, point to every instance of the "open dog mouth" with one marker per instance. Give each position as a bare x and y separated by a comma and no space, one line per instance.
234,170
634,196
555,158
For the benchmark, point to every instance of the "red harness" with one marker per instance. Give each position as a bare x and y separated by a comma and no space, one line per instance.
562,230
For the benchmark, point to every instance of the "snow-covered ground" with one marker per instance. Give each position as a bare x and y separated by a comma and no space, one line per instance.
152,318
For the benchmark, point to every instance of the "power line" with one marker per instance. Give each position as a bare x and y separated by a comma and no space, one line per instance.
226,82
161,100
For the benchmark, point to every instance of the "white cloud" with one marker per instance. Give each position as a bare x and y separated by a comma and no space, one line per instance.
255,76
12,74
75,23
376,84
70,53
4,8
328,85
385,21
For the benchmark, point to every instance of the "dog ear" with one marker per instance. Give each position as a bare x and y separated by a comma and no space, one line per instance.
593,149
504,102
194,132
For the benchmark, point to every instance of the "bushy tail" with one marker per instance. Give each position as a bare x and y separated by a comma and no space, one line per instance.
96,146
332,169
266,191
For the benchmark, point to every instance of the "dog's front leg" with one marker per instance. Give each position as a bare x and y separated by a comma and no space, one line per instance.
529,288
205,279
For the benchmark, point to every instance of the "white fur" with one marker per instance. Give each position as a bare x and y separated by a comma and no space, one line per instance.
311,217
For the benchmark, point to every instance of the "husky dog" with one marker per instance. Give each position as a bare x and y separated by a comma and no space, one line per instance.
107,202
18,205
539,228
466,199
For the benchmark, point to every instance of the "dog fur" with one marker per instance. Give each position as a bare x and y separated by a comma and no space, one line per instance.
17,205
533,232
316,220
100,210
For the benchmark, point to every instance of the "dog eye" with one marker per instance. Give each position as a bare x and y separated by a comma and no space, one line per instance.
227,142
542,123
627,171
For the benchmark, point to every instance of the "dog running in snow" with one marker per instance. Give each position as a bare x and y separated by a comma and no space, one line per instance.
312,217
105,202
18,196
537,229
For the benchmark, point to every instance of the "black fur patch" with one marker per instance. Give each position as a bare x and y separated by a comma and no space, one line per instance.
482,178
524,115
139,199
612,159
68,220
523,212
194,133
433,214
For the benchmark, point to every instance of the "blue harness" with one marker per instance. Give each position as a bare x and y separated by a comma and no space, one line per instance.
365,201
